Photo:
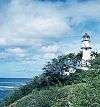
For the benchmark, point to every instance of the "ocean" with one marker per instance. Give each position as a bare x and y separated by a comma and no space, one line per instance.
8,84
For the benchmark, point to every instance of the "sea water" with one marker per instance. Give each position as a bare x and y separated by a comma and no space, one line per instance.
8,84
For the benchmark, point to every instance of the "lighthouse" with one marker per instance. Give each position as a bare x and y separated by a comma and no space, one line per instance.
86,51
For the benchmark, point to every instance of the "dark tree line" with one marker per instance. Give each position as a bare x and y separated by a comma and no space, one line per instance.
57,65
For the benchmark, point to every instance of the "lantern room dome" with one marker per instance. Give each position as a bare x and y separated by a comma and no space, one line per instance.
86,36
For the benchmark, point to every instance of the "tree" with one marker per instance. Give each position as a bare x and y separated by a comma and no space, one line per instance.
58,65
95,63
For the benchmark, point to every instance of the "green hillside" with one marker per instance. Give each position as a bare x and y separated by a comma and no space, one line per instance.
52,89
54,97
80,95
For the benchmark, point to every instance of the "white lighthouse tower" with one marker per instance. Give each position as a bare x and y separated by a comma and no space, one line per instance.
86,51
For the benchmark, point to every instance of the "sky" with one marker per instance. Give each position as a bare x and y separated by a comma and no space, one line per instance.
34,31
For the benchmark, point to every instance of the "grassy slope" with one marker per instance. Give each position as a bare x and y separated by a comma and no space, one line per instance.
55,97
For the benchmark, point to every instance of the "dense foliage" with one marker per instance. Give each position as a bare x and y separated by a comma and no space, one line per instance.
61,63
95,64
77,95
86,94
52,75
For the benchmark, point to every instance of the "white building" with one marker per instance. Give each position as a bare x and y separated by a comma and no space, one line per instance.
69,70
87,56
86,52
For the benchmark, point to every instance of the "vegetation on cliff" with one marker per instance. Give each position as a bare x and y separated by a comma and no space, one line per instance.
52,89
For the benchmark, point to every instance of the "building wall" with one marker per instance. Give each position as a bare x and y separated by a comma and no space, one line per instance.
86,54
86,44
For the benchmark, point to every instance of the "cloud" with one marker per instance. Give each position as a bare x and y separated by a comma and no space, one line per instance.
26,24
34,31
49,56
17,51
3,41
11,41
50,49
34,20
